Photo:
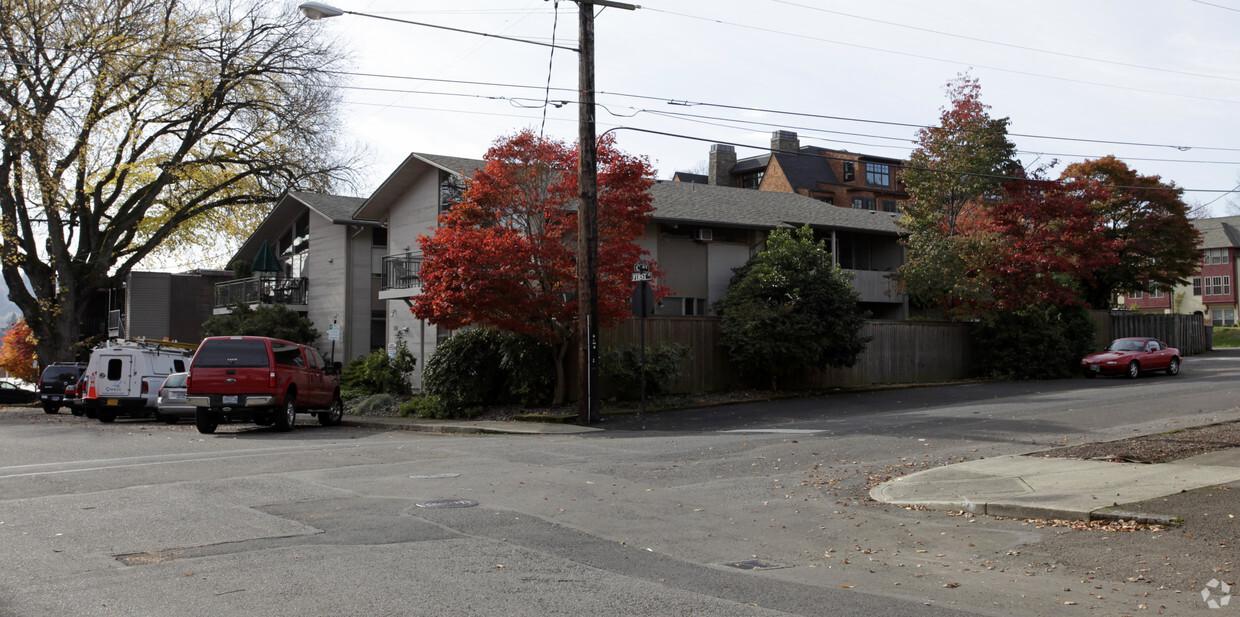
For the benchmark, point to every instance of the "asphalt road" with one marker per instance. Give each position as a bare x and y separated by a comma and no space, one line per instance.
141,518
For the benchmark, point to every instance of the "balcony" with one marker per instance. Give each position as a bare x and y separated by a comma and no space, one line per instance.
291,292
874,286
400,275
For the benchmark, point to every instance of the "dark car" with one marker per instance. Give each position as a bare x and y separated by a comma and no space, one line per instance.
57,385
171,400
1131,357
11,394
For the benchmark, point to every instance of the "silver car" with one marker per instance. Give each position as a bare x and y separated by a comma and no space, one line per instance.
171,400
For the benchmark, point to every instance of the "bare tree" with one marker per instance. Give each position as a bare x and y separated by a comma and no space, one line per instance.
131,123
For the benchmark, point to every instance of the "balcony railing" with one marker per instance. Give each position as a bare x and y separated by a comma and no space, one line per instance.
402,271
261,290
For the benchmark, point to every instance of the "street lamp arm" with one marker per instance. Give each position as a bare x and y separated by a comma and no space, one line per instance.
320,10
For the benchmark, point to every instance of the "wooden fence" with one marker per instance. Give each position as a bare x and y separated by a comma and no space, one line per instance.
1184,332
899,352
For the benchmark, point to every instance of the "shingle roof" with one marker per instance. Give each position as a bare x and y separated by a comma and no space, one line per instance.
726,206
684,176
806,172
1220,232
335,208
454,164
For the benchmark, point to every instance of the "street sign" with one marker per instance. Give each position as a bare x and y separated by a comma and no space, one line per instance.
333,332
641,272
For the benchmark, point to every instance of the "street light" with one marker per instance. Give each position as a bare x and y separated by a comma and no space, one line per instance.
587,186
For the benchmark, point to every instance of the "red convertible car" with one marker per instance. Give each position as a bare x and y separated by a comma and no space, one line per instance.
1131,357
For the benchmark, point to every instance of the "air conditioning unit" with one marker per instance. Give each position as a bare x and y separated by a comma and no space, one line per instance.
703,235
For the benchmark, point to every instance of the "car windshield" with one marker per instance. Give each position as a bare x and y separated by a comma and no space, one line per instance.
1127,345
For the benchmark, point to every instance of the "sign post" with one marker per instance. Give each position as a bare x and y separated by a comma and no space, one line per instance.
643,306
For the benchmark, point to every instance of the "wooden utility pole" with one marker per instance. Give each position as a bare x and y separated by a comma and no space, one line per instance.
587,225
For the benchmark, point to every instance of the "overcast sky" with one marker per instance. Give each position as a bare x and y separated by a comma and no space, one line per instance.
1156,83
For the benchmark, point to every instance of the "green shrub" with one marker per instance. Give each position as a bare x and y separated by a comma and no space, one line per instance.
1038,342
375,405
479,367
379,373
621,370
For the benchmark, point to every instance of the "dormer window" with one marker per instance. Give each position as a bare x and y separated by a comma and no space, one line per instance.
877,174
850,171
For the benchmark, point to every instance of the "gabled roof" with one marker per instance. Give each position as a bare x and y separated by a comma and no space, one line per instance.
684,176
337,209
399,180
736,207
806,172
1220,232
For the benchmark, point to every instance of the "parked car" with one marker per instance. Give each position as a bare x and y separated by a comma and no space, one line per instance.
262,380
171,400
1131,357
57,385
123,377
12,394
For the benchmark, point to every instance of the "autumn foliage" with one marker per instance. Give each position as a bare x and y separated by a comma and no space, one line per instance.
505,256
18,352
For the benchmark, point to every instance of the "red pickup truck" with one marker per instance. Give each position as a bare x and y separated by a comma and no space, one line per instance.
262,380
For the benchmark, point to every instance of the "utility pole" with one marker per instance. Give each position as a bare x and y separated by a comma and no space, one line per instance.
587,216
587,224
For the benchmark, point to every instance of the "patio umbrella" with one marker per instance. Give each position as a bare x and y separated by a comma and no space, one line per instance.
265,259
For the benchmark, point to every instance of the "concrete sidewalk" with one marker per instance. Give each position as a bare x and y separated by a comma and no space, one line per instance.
1057,488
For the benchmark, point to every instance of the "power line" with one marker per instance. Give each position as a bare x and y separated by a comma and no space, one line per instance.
1009,45
943,60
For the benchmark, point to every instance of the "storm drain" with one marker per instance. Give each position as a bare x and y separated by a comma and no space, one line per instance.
754,564
446,503
435,476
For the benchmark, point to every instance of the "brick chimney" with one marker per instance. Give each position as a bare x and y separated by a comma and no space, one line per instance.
785,141
722,160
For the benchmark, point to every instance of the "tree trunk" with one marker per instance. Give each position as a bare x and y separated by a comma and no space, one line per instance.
561,352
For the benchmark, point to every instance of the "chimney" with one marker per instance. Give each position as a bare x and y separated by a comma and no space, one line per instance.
785,141
722,160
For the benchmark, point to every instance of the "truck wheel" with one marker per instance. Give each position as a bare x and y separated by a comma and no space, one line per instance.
107,415
334,414
51,409
205,420
77,411
287,416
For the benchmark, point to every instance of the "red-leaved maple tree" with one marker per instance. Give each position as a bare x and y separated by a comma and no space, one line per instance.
1048,241
505,256
17,353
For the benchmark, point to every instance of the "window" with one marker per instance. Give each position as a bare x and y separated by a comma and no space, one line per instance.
1218,286
451,188
828,199
1223,317
863,203
1215,257
1158,293
889,205
178,366
877,174
1136,295
751,180
114,369
695,306
232,353
378,236
378,329
287,355
850,171
1197,286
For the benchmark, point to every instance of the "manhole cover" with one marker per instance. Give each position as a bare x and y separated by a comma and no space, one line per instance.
754,564
435,476
446,503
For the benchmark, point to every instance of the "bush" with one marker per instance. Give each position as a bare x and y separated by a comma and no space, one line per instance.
1226,337
431,406
379,373
274,320
375,405
479,367
621,370
1038,342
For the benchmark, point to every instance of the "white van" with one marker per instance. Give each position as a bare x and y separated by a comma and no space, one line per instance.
123,377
